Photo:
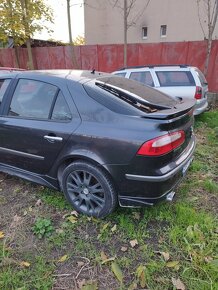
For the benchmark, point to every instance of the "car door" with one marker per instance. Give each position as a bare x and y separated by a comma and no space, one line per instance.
37,120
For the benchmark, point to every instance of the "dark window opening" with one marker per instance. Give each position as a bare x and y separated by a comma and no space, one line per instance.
163,31
144,32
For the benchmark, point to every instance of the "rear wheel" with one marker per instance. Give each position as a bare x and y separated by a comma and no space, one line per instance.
89,189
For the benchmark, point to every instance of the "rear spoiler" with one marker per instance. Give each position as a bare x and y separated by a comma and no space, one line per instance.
183,108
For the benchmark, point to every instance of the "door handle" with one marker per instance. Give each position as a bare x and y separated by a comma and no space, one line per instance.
53,139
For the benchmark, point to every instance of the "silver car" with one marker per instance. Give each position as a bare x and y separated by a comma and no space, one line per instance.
178,81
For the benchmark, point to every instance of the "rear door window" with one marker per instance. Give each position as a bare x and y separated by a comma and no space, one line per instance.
3,86
61,111
143,77
175,78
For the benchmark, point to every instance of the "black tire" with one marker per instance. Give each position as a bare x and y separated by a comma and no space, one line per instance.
89,189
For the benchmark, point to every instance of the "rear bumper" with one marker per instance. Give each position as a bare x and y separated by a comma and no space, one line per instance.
147,190
200,107
182,166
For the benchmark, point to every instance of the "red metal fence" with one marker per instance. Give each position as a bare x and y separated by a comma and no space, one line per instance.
110,57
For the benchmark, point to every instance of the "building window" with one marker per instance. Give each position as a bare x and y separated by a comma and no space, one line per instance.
163,31
144,32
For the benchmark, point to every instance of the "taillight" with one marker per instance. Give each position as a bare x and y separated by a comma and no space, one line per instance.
162,145
198,93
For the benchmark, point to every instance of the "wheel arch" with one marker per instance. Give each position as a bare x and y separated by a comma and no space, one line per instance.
95,160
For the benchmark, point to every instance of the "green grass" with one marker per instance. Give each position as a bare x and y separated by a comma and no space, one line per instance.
37,276
53,198
209,119
186,230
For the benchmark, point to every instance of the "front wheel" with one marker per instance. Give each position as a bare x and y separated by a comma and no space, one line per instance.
88,189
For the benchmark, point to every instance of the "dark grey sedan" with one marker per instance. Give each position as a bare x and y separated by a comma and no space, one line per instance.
99,138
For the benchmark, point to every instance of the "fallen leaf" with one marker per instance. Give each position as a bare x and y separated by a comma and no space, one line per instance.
38,203
190,231
172,264
133,286
165,255
103,256
75,213
108,260
63,259
133,243
136,215
208,259
178,284
2,235
25,213
161,240
117,271
24,264
114,228
140,272
124,249
72,219
80,264
30,209
105,226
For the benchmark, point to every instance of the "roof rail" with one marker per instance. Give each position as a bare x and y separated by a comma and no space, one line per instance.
154,65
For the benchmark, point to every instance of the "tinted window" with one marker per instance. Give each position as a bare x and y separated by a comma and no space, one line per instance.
3,86
142,77
121,74
32,99
128,97
61,110
175,78
137,90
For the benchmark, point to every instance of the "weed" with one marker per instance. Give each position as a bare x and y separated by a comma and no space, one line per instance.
43,228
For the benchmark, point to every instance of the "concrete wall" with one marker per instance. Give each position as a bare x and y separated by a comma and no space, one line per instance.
104,22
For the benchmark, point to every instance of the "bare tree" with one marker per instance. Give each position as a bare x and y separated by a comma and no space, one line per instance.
208,8
72,50
129,20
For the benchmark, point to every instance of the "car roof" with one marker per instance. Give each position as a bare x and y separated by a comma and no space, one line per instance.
75,75
159,67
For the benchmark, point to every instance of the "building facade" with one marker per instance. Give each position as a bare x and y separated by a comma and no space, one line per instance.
148,21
